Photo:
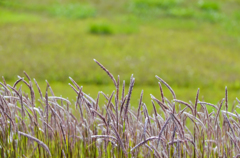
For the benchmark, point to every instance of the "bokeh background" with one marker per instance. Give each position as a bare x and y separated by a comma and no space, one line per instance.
190,44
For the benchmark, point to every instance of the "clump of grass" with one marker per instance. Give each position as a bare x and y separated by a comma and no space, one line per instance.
73,11
152,7
150,4
101,28
209,6
106,28
53,126
181,12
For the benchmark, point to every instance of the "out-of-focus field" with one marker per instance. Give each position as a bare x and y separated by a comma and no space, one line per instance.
189,44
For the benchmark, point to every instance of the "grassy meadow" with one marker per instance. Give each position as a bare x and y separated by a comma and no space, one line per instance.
189,44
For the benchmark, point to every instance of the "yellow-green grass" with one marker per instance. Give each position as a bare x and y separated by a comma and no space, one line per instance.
186,52
188,44
183,52
211,95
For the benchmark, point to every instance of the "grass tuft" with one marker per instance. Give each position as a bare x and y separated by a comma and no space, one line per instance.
209,6
101,29
74,11
181,12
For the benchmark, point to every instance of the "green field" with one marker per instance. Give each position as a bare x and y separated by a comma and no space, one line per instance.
190,44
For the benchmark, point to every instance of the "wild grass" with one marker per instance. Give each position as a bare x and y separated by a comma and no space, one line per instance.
52,126
101,28
74,11
34,30
136,42
208,5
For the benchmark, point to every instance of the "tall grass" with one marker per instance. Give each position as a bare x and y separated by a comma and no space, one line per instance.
52,126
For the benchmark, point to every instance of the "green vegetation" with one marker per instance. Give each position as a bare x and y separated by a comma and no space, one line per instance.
210,6
189,43
100,29
52,126
73,11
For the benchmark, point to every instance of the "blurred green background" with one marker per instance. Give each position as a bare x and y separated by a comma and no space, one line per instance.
190,44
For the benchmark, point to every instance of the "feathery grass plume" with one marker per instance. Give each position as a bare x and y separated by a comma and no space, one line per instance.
163,127
5,87
184,103
21,99
39,90
119,140
165,83
106,70
123,90
116,100
143,142
15,84
212,105
226,98
194,118
36,140
174,131
178,123
155,113
162,105
238,100
238,117
29,79
78,102
75,83
196,102
218,111
47,106
145,128
59,98
122,105
161,91
102,117
235,139
110,100
139,105
129,96
4,81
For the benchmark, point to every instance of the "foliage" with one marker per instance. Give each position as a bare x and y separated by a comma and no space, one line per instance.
73,11
187,45
181,13
209,6
101,28
85,128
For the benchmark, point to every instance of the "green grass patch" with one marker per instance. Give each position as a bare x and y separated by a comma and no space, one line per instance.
69,10
101,28
155,4
73,10
7,16
156,48
181,12
142,45
106,27
209,5
151,7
